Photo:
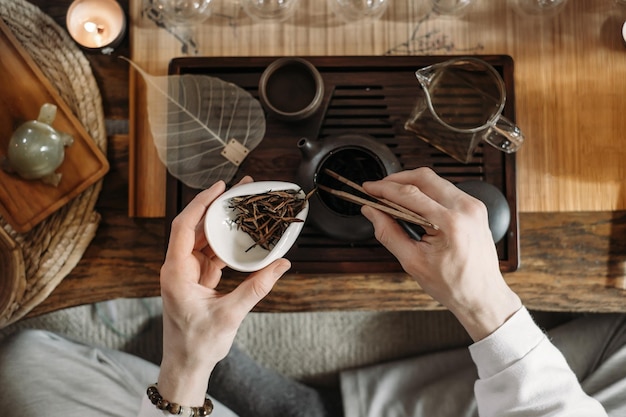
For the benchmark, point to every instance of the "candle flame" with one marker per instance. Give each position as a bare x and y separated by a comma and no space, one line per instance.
96,31
90,26
93,27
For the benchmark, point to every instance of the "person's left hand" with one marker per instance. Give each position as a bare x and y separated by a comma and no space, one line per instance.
200,323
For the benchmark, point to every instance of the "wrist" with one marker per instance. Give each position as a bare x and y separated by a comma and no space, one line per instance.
184,384
173,408
483,318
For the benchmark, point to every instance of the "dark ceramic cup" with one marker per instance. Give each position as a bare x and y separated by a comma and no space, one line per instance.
291,89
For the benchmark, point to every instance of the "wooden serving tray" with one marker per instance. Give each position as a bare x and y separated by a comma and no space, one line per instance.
371,95
23,90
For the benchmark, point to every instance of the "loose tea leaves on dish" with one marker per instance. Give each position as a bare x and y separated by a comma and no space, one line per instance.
265,217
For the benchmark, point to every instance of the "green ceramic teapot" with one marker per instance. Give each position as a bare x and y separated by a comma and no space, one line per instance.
36,149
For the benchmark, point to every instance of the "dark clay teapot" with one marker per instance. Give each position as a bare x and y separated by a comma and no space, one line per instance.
361,158
357,157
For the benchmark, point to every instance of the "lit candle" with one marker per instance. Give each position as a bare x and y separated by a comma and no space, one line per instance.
96,24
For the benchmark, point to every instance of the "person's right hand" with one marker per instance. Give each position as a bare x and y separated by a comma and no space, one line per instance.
457,264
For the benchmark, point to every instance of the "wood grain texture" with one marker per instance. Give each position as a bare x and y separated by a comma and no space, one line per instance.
124,258
569,261
570,76
24,89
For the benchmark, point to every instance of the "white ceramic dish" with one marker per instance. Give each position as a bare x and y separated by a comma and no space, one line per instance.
230,244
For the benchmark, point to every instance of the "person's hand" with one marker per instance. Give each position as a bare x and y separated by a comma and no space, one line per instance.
457,264
199,323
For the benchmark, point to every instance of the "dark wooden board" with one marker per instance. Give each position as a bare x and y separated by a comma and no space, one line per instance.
371,95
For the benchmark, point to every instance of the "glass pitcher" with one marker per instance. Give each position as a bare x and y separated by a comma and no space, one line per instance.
460,104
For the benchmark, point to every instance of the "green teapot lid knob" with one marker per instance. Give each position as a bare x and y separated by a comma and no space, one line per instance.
47,113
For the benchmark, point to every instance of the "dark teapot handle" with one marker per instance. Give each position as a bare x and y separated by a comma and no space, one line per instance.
414,231
497,208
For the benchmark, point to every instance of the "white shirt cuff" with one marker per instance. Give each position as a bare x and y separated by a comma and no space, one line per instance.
507,345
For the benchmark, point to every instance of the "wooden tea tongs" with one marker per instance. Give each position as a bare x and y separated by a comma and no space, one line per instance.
384,205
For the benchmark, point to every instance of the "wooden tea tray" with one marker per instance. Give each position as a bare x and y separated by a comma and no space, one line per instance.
371,95
23,90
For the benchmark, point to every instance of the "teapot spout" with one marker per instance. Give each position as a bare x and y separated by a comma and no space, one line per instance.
308,148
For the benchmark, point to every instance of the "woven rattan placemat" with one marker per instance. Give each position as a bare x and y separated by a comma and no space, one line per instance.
34,263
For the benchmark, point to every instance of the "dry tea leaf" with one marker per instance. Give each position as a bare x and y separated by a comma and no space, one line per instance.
265,217
193,117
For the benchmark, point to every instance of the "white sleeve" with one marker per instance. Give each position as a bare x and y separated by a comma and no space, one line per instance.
522,373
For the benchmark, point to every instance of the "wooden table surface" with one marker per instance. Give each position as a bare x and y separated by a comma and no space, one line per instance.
571,260
570,79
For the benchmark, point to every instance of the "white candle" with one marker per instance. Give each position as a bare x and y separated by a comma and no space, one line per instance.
96,24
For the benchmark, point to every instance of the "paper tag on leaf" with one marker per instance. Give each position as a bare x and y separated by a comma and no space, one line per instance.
235,152
192,119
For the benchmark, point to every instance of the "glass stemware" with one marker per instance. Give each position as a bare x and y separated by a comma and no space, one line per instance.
183,12
451,7
269,10
355,10
538,8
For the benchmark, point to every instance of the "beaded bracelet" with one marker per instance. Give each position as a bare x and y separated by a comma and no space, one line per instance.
177,409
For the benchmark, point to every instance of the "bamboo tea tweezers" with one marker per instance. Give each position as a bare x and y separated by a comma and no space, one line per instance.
384,205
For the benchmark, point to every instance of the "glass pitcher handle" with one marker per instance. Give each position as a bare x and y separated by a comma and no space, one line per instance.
505,135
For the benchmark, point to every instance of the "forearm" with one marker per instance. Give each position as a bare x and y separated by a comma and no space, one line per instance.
521,371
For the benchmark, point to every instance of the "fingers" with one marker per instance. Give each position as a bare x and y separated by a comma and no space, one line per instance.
408,196
390,234
245,180
429,183
259,284
189,219
211,272
183,237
